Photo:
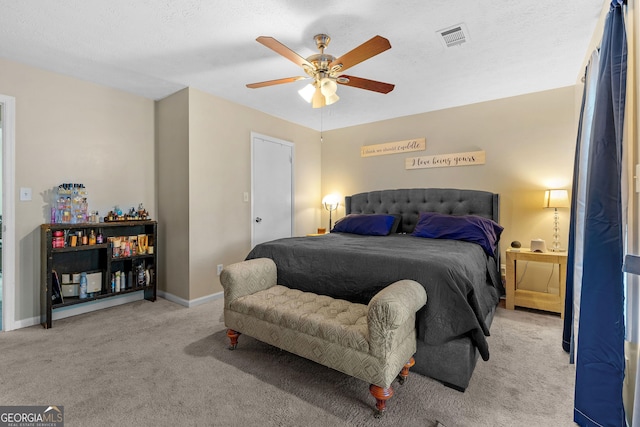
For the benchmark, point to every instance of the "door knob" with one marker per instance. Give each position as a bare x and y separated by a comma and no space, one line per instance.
258,219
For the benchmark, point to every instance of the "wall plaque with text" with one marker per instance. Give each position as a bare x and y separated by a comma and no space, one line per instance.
445,160
418,144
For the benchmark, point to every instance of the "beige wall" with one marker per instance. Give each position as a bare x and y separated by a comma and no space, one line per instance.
529,142
68,130
217,175
172,135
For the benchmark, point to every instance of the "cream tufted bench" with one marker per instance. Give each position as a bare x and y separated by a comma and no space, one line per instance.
373,342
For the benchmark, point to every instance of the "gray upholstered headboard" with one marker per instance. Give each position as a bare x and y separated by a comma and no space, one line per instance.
410,202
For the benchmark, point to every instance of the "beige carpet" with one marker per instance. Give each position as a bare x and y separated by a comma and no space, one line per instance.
160,364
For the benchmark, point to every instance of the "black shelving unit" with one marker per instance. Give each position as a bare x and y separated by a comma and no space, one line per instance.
93,259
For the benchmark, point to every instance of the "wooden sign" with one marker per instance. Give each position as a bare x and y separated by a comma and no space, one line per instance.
418,144
445,160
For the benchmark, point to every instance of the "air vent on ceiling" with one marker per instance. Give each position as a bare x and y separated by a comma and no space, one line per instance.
454,36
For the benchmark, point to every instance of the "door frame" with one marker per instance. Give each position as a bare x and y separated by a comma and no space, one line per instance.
8,212
255,135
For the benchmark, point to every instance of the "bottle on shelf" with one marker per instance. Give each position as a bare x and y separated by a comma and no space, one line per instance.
92,237
83,285
99,237
141,277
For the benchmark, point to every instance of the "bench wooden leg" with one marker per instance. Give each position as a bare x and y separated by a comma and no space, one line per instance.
404,374
233,336
381,395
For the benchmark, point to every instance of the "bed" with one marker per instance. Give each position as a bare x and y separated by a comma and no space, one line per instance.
461,277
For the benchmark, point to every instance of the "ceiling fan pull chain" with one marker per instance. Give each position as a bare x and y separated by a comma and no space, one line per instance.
321,140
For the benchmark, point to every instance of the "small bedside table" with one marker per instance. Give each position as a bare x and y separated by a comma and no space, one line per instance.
533,299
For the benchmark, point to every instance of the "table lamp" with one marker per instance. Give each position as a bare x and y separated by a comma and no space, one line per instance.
330,203
556,199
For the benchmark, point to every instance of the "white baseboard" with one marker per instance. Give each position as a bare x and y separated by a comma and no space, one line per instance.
74,310
25,323
87,307
190,303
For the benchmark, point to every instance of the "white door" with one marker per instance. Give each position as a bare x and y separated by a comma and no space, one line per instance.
271,189
8,245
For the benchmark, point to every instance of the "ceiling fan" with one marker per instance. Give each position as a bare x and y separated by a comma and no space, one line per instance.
326,70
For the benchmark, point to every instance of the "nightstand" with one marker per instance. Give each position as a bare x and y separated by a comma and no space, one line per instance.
533,299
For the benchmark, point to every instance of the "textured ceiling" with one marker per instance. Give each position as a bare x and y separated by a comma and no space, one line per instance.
154,48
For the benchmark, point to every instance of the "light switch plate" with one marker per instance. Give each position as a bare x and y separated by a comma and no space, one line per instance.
25,194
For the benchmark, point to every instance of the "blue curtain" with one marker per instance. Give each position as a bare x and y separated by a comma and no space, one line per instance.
567,332
579,195
600,342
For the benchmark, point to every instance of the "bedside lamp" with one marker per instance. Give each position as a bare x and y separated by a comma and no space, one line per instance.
556,199
330,203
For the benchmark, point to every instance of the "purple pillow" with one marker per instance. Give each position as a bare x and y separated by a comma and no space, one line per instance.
367,224
470,228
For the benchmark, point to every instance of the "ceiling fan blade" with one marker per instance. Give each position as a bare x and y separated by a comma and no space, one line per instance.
366,50
367,84
275,82
278,47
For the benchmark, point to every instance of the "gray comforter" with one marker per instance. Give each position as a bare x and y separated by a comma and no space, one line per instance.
460,279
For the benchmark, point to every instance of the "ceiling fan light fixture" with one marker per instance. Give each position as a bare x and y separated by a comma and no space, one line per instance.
307,92
324,69
331,99
318,100
328,86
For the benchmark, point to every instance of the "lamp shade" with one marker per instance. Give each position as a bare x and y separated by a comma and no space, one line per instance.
556,199
331,99
330,202
318,99
328,87
307,92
